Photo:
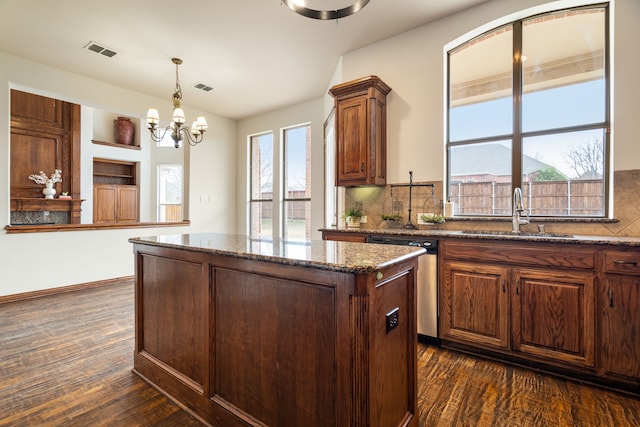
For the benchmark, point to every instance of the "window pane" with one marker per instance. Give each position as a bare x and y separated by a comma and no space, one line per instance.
297,183
297,175
262,167
480,178
261,219
563,69
169,192
480,79
563,174
297,224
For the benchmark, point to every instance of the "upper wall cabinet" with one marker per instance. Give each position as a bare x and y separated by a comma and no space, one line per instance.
361,131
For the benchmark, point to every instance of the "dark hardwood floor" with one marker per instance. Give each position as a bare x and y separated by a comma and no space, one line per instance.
65,360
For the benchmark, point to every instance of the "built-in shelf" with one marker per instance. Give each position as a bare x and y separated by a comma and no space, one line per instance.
115,144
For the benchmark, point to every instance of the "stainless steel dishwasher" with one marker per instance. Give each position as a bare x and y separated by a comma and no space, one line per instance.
427,283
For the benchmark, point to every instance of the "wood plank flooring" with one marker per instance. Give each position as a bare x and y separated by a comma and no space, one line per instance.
65,360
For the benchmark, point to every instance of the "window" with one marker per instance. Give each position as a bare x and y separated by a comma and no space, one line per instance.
169,193
528,107
297,183
261,186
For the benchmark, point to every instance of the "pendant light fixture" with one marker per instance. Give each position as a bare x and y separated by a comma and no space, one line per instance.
176,127
299,7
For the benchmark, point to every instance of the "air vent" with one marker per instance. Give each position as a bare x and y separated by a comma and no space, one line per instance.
95,47
203,87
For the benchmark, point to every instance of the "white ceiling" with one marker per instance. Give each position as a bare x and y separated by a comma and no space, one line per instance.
257,54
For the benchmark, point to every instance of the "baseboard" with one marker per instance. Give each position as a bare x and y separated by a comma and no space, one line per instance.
63,289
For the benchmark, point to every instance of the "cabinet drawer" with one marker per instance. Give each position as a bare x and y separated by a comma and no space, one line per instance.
625,262
520,253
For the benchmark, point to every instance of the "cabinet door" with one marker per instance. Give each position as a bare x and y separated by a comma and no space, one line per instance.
352,147
104,203
128,203
553,315
474,304
620,325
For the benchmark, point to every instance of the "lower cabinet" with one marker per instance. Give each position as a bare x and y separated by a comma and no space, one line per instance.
619,311
114,203
572,309
526,300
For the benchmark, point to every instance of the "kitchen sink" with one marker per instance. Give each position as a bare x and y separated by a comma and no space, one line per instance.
521,233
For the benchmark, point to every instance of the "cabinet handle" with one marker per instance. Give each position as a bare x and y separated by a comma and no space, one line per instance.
362,167
622,262
504,285
517,287
610,298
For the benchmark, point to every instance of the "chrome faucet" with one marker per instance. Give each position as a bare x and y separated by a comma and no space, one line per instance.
517,220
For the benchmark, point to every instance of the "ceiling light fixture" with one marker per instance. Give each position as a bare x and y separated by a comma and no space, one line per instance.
298,7
178,131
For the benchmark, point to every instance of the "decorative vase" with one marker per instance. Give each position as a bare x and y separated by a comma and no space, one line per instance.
123,129
49,191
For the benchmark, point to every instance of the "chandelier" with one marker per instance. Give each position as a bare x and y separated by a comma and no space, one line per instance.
176,127
298,6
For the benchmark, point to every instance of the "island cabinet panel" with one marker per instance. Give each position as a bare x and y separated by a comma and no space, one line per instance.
250,342
173,317
274,323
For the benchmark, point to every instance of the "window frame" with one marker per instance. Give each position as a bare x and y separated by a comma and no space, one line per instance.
517,136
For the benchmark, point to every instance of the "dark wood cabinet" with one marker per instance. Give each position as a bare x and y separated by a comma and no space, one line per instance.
361,131
619,311
344,237
534,301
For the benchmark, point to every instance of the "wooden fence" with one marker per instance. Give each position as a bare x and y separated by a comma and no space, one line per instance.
540,198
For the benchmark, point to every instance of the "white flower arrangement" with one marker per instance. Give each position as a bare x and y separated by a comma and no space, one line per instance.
42,178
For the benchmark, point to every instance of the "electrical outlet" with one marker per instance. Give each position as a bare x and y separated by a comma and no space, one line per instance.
392,319
358,205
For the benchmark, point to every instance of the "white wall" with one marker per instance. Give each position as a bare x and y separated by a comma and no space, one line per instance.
412,63
34,261
275,121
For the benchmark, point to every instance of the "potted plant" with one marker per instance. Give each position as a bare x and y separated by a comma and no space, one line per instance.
391,217
432,219
352,216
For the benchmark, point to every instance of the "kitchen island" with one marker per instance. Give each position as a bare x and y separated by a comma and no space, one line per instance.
241,331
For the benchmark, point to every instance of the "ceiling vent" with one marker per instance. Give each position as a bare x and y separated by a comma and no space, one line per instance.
95,47
203,87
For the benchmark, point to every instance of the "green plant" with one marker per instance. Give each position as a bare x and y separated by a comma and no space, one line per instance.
391,217
353,212
435,219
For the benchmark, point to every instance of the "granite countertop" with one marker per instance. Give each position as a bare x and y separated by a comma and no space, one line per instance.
325,255
499,235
